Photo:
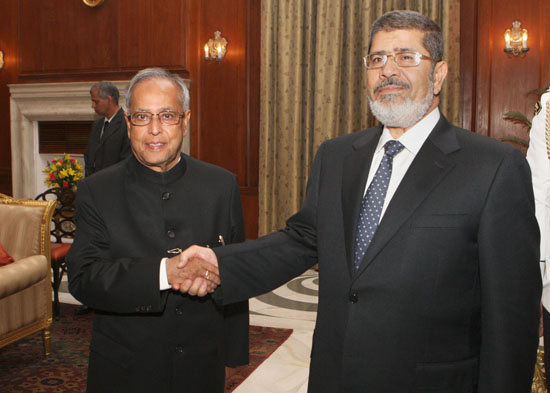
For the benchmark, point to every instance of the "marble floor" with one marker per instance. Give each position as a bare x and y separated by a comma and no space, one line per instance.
291,306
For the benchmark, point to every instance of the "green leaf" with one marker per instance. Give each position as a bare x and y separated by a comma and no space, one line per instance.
518,118
515,139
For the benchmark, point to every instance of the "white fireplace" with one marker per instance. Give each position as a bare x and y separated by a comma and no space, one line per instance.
31,103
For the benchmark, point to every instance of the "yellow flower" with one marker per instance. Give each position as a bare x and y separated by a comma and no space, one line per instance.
63,172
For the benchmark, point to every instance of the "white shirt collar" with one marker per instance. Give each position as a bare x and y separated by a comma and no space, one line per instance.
415,137
109,120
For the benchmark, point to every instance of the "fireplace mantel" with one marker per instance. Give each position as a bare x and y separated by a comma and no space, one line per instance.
34,102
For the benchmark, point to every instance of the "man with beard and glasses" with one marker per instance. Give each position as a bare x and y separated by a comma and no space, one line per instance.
426,240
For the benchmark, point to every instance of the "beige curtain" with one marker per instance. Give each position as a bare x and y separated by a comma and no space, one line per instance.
313,86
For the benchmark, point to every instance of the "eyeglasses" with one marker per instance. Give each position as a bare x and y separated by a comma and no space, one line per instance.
402,59
169,118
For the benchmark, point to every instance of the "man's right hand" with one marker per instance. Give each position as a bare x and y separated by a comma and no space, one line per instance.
192,272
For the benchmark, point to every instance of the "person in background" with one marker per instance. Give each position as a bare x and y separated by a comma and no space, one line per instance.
425,235
538,156
131,218
108,142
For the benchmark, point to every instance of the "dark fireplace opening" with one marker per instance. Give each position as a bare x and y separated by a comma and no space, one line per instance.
57,137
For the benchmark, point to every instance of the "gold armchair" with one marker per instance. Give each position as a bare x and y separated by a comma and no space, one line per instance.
25,285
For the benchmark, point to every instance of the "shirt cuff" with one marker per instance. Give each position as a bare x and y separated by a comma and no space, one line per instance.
163,277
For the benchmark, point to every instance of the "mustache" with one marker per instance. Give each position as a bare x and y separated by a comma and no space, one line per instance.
391,81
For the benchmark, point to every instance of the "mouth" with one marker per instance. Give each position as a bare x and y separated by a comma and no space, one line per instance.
390,89
155,146
391,86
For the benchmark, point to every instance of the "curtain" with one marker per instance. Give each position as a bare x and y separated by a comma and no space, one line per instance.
313,86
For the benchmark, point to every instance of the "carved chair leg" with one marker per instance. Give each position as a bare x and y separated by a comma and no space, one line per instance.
46,338
57,267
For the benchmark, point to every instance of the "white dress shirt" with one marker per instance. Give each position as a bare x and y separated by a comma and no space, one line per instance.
539,161
412,139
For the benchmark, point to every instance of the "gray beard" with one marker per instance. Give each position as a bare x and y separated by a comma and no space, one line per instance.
401,115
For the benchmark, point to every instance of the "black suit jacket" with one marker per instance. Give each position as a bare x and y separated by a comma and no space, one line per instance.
447,297
145,340
112,148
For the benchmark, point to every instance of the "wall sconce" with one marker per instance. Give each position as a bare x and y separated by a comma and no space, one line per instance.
516,40
1,59
215,48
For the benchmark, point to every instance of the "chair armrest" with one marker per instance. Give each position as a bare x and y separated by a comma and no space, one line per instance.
22,274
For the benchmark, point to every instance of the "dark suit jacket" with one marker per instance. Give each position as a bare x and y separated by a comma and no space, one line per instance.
113,147
145,340
446,299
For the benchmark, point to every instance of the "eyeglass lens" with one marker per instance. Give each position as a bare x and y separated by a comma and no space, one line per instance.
145,118
402,59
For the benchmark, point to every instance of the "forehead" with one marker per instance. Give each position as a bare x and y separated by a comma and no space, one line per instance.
394,40
95,96
155,93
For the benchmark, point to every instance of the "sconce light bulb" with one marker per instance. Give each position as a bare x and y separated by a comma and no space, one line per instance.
206,55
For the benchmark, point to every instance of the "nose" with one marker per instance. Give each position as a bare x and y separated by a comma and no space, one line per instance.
390,68
155,127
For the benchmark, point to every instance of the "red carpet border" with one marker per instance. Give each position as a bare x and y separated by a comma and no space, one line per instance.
24,369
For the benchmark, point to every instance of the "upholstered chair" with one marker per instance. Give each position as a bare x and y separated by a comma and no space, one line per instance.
25,284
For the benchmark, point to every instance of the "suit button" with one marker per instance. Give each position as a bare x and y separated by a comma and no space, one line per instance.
353,297
171,234
179,348
179,311
165,196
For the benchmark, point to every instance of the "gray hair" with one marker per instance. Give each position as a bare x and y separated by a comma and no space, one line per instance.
158,73
106,89
410,20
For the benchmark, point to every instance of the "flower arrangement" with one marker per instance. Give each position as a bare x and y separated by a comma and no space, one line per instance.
63,172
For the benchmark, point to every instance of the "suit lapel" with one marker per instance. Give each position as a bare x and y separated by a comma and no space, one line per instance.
354,177
428,168
113,125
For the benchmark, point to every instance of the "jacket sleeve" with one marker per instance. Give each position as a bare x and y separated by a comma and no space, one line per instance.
259,266
510,280
124,285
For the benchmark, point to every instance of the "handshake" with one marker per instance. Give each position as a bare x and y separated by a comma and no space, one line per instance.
194,271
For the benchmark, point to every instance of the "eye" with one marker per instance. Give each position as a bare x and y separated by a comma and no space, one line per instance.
168,115
407,56
141,116
375,59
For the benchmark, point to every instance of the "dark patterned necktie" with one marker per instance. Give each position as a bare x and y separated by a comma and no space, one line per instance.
103,130
373,201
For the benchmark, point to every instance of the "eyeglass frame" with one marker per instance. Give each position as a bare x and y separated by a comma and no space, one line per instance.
417,55
179,116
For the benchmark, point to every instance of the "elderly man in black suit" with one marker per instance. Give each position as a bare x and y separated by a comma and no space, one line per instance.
425,235
131,217
108,142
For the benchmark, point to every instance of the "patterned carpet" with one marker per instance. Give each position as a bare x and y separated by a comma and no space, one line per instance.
24,369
